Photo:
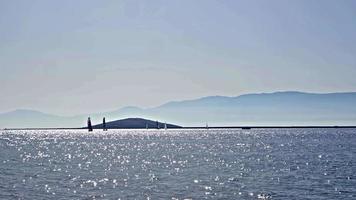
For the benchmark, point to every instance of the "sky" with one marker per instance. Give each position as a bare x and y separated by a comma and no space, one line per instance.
74,57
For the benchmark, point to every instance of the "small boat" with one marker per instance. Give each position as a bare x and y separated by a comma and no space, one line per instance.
90,128
104,125
157,124
165,126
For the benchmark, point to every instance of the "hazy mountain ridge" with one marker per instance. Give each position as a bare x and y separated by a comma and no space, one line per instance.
25,118
279,108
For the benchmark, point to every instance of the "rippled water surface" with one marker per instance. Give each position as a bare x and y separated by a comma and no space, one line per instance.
179,164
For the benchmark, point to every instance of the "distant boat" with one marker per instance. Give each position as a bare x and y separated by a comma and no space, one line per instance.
104,125
90,128
165,126
207,126
146,126
157,125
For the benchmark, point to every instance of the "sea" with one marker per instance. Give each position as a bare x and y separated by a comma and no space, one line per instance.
178,164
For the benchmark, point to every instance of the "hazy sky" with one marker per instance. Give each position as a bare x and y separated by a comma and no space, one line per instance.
71,57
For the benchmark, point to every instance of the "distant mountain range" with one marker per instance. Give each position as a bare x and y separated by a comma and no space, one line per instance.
279,108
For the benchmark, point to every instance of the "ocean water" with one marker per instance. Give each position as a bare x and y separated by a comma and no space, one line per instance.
179,164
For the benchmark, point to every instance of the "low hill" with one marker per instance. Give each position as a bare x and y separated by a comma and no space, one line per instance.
23,118
134,123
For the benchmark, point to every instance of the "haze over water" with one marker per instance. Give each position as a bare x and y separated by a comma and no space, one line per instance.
178,164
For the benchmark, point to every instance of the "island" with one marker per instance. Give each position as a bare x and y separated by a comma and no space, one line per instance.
135,123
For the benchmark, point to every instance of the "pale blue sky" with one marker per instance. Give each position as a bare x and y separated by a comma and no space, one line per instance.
72,57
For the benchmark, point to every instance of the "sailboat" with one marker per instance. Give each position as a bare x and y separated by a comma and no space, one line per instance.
165,126
90,128
157,124
104,125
